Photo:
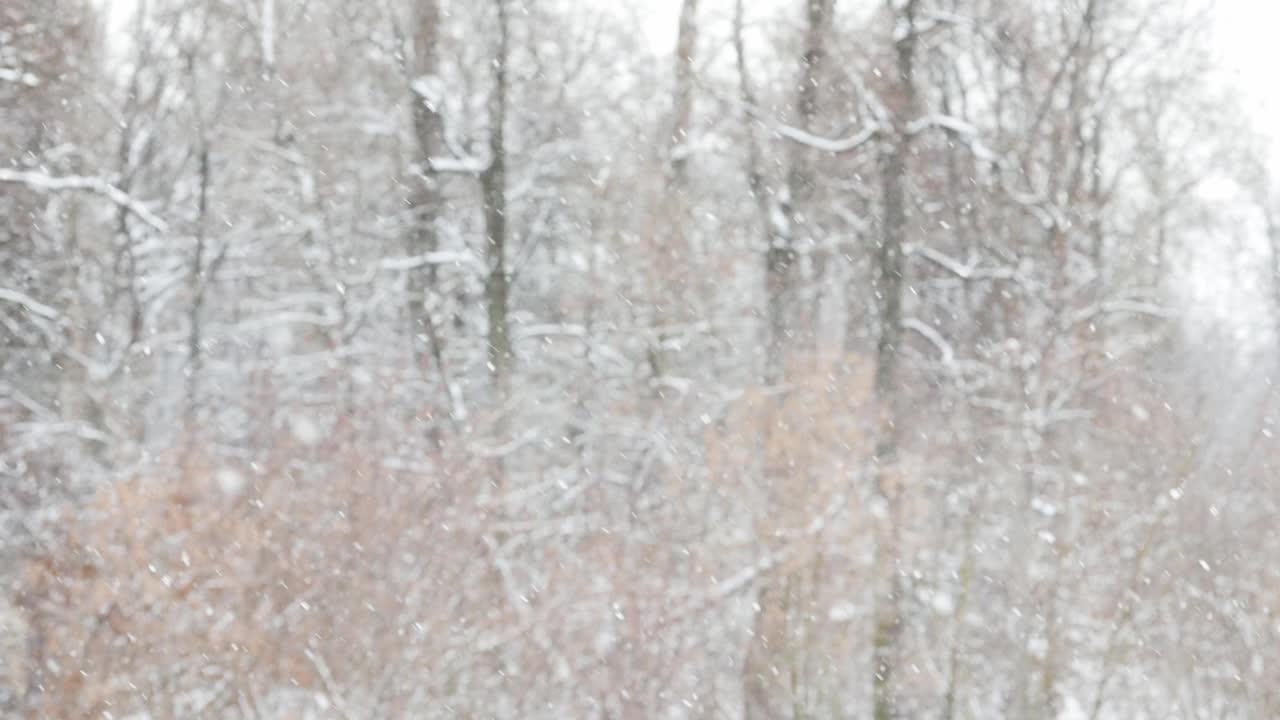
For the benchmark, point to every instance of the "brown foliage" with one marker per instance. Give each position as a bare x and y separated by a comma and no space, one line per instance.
188,593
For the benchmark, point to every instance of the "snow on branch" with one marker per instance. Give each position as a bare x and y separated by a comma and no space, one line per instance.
1136,307
795,134
964,270
331,688
939,18
831,145
460,165
32,306
745,578
430,92
439,257
726,587
545,330
1127,306
942,122
98,186
934,337
18,77
962,129
429,89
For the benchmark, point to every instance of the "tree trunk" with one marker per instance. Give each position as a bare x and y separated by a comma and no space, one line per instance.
686,39
800,177
888,286
493,188
198,282
759,190
428,128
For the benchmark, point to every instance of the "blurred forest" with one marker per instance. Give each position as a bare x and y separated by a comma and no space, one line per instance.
493,359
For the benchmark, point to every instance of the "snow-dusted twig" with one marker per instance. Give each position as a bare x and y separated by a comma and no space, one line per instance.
460,165
831,145
959,128
19,77
968,270
1121,306
935,338
98,186
795,134
33,306
330,687
543,330
441,257
943,122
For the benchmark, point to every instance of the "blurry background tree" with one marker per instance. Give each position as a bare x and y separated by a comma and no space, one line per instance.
430,358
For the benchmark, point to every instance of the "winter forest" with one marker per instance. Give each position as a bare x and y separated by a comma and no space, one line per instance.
493,359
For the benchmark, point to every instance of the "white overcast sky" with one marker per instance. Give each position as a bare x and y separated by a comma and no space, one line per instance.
1250,48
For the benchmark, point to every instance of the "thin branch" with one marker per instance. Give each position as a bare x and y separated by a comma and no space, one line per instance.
48,183
825,144
935,338
33,306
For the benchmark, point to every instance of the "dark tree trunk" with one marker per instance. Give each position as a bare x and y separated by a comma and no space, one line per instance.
889,285
199,278
686,40
800,177
493,183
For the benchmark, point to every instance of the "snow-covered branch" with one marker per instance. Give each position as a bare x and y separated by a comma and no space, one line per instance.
48,183
825,144
431,258
935,338
32,305
460,165
967,270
